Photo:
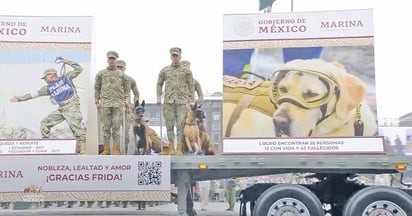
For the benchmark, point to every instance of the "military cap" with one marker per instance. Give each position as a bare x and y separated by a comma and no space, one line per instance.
121,63
49,71
185,63
175,51
112,54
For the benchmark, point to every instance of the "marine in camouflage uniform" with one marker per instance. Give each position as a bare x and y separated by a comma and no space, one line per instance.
178,82
121,65
63,93
196,85
112,92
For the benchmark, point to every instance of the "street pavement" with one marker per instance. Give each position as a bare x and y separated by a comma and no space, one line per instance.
214,209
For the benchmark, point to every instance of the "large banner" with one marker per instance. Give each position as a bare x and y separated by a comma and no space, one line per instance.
293,79
45,91
91,173
45,63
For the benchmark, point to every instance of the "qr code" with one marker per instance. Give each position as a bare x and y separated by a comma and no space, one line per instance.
149,173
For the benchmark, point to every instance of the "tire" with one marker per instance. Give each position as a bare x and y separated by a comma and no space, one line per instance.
378,200
288,199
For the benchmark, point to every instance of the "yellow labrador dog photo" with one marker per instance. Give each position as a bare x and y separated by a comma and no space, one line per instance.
309,98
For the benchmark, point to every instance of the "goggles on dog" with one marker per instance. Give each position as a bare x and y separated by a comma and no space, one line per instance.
277,96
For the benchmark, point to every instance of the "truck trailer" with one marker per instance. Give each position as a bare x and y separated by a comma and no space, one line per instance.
337,190
294,91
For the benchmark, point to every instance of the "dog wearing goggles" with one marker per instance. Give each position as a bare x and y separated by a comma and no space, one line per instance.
317,98
302,98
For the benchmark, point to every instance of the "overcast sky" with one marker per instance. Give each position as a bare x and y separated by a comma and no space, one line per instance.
143,31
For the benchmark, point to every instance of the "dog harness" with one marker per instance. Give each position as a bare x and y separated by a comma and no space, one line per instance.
252,94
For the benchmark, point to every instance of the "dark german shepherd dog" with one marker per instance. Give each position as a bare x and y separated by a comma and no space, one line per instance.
145,138
142,146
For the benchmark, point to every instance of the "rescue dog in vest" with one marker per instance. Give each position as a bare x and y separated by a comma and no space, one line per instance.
309,98
191,132
145,139
207,147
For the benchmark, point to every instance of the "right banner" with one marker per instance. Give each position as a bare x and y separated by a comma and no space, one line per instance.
300,83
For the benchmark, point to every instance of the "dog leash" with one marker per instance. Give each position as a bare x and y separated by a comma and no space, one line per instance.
243,103
58,60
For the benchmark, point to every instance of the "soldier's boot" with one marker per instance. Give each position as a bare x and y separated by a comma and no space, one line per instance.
106,149
165,150
82,148
179,148
171,148
116,149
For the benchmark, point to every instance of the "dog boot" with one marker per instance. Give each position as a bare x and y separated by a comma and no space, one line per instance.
199,152
116,149
149,152
106,149
190,152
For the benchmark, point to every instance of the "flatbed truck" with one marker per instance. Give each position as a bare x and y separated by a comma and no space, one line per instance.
336,185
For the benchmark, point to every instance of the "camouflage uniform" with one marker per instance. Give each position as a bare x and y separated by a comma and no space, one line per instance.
199,92
129,117
196,85
112,88
134,89
63,93
178,81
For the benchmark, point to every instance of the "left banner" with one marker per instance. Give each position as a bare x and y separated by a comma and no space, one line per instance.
45,63
93,173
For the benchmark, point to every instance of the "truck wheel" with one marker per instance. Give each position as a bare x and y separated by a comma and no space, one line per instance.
379,200
287,199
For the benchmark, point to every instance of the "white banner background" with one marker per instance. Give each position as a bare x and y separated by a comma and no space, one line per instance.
326,145
84,173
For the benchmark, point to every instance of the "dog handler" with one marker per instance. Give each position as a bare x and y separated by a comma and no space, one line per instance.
121,65
196,85
112,92
178,81
63,93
